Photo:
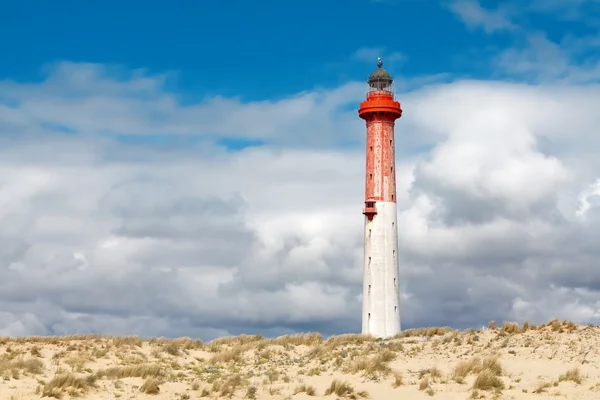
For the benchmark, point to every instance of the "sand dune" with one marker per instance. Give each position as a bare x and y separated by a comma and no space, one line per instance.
508,362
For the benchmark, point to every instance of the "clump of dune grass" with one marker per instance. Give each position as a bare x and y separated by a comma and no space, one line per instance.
424,332
76,363
251,392
228,356
555,325
227,387
348,340
573,375
151,386
68,383
217,344
433,373
308,389
302,339
488,380
122,341
344,389
541,387
511,328
475,366
175,346
35,351
28,365
132,371
370,365
398,380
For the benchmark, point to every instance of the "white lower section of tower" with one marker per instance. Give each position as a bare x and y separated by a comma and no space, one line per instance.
381,296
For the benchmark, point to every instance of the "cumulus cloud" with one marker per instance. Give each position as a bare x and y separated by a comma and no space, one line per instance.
498,205
475,16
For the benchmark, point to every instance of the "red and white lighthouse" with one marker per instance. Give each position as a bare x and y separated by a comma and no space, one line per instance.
381,296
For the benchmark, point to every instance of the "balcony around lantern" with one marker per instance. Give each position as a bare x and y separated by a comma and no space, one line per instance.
380,93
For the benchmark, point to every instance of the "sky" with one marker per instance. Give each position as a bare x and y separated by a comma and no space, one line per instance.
196,169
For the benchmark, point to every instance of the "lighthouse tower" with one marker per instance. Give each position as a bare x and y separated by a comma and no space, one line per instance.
381,297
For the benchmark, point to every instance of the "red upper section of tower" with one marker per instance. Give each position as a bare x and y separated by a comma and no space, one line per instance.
380,110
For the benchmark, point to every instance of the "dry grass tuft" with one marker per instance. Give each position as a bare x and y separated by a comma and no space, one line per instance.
229,356
424,332
218,343
398,380
68,383
309,390
348,339
304,339
344,389
228,387
541,388
132,371
370,365
487,380
476,365
151,386
511,328
29,365
573,375
122,341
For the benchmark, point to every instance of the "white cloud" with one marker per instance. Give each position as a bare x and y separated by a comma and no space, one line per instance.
475,16
540,59
99,235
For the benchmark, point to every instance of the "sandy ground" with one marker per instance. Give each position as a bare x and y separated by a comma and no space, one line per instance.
558,359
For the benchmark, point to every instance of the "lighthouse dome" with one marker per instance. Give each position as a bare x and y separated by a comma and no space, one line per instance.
380,79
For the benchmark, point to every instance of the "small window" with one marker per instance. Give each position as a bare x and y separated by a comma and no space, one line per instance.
395,309
392,197
392,169
393,223
369,289
394,282
371,176
390,142
394,253
369,260
371,148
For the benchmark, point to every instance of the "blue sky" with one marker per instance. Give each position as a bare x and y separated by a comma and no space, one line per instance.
269,49
497,170
255,50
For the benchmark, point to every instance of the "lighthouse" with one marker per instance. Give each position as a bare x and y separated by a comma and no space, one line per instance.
381,296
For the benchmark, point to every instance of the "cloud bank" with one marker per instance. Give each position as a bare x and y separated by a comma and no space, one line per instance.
123,213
